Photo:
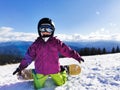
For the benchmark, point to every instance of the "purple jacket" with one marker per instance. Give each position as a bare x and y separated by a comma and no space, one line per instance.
46,55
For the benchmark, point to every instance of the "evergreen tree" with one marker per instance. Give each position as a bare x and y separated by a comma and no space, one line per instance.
117,49
113,50
93,51
104,51
86,51
99,51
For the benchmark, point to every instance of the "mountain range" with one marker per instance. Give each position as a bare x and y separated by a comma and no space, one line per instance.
20,47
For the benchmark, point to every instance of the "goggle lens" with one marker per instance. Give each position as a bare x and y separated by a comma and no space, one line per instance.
46,28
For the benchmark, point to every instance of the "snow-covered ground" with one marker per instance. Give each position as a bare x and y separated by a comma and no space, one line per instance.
100,72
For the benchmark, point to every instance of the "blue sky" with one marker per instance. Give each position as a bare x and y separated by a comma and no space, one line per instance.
85,17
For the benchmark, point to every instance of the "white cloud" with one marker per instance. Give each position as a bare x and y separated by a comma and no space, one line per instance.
8,34
101,34
4,30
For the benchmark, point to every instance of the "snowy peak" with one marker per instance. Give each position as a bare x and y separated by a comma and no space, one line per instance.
14,48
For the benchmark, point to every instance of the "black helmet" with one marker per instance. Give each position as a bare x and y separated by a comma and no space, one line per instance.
46,21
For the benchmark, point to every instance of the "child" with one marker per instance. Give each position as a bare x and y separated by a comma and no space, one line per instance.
45,52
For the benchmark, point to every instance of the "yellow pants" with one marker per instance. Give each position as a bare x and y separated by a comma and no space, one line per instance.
58,78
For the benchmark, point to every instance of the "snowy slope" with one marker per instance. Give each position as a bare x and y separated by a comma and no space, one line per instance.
100,72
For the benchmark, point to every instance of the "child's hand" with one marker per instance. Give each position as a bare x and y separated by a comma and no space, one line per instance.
81,60
17,71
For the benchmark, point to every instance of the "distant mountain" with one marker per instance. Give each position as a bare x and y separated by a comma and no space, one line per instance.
14,48
108,45
20,47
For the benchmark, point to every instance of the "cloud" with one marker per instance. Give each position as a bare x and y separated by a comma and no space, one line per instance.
8,34
102,34
4,30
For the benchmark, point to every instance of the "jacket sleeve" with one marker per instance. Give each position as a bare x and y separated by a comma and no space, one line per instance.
29,57
67,51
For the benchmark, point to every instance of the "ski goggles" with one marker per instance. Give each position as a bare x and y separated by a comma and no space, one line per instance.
46,28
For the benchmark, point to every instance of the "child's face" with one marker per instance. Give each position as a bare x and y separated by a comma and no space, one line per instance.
45,33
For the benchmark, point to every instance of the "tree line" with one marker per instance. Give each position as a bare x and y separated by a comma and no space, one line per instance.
95,51
13,58
9,59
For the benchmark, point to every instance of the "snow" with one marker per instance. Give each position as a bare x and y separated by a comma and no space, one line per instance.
99,72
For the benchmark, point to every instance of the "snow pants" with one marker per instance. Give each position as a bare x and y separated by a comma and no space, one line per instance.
39,79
